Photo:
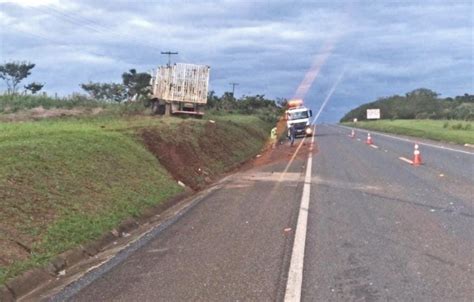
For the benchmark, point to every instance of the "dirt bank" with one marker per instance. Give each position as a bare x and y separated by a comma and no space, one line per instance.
196,155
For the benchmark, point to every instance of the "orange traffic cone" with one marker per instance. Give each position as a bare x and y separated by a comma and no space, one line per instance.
353,134
369,139
416,156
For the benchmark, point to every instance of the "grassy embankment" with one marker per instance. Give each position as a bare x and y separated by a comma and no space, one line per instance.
453,131
64,182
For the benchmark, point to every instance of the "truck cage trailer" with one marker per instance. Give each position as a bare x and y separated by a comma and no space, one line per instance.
180,89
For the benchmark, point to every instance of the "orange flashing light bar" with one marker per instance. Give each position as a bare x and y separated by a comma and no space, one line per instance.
295,103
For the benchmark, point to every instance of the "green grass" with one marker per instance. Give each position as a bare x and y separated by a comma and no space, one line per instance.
66,181
452,131
14,103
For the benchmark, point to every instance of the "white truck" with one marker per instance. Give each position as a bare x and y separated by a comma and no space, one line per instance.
180,89
298,116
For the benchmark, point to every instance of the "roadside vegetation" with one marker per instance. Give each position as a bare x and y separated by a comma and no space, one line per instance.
420,113
66,181
74,167
418,104
453,131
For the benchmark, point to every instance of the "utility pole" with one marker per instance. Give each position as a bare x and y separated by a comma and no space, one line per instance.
169,53
233,87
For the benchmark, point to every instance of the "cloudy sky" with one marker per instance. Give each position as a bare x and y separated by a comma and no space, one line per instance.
374,48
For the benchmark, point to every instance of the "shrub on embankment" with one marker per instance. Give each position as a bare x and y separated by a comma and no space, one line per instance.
64,182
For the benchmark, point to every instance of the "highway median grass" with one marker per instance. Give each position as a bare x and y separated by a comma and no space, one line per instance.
66,181
451,131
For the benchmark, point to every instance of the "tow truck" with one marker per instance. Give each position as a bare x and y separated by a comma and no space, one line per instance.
298,116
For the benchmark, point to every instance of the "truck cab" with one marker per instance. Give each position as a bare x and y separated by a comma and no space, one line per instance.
298,116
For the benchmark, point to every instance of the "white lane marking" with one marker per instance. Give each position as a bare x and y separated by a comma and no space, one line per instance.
359,139
406,160
374,146
410,141
295,273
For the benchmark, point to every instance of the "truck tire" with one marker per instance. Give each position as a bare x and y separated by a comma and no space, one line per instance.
167,109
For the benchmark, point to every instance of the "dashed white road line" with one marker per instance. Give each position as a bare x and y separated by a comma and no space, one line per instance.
374,146
295,273
406,160
359,139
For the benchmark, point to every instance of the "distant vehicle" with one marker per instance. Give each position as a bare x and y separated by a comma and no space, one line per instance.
180,89
298,116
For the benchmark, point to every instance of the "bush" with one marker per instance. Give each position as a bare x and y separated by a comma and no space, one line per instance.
446,125
467,127
457,126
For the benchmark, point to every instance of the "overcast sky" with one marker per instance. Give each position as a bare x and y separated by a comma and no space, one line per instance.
375,48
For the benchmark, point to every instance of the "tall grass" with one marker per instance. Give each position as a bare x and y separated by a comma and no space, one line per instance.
14,103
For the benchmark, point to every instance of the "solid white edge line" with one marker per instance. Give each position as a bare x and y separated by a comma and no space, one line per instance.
406,160
408,140
295,273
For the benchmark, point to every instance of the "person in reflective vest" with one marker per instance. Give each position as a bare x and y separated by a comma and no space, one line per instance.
273,137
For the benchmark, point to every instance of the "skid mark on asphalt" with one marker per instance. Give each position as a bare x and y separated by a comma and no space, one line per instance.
344,185
273,176
452,210
355,283
245,180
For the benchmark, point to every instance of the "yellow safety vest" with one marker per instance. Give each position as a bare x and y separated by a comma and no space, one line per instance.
273,134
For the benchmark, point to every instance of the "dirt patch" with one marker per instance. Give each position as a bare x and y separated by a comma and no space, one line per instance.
202,154
197,153
283,153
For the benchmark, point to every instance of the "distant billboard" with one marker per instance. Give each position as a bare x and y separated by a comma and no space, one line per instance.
373,114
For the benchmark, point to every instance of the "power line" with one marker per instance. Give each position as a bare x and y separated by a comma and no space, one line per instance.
91,25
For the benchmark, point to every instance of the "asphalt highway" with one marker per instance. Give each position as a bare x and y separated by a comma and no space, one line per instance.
378,229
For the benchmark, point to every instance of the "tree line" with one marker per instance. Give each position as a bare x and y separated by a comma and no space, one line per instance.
15,72
135,86
420,103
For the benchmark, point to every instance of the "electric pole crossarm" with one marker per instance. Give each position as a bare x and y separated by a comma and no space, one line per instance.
169,53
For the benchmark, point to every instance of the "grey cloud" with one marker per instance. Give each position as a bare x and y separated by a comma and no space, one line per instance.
387,47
